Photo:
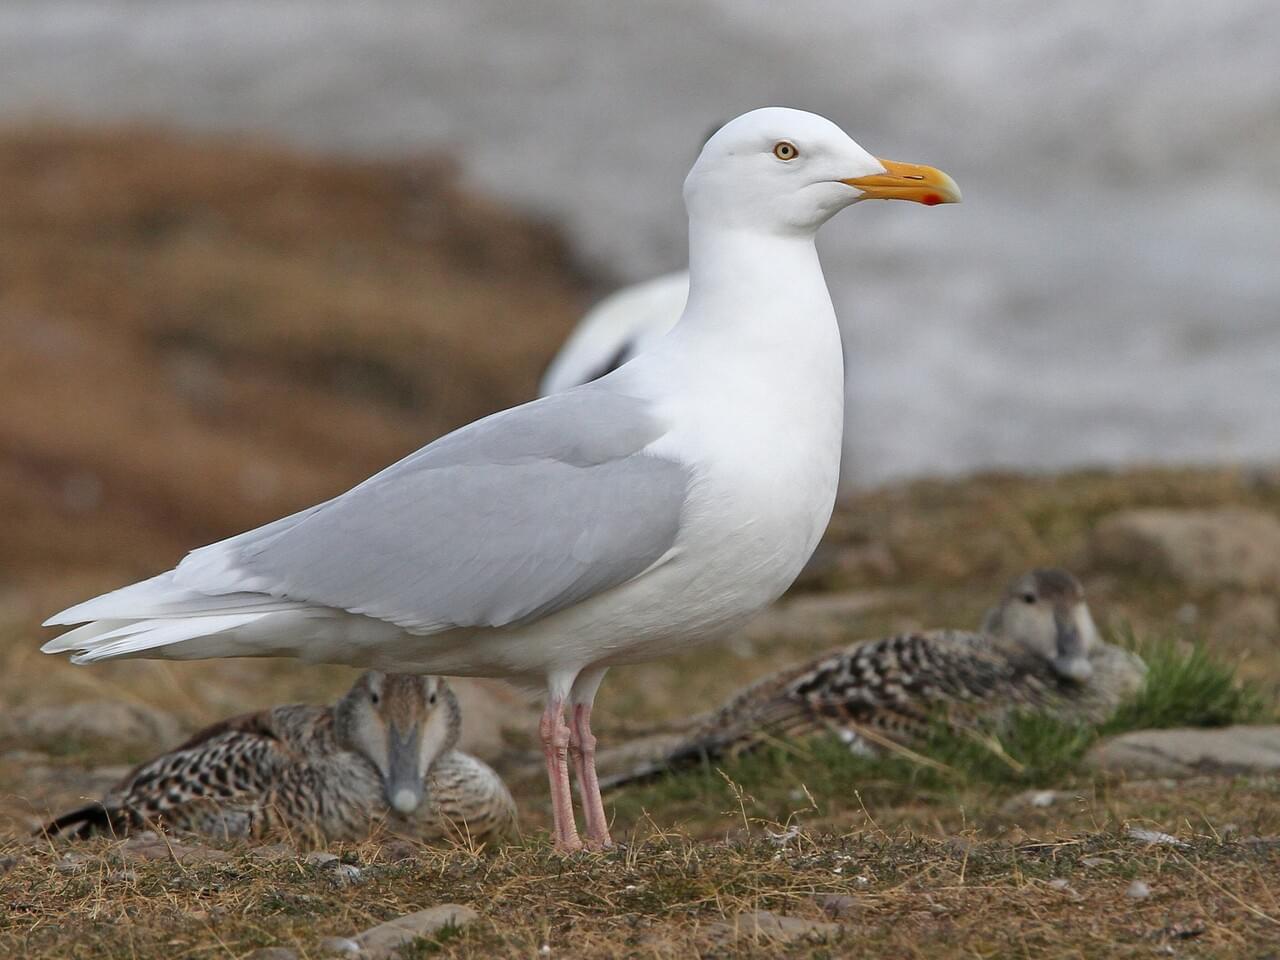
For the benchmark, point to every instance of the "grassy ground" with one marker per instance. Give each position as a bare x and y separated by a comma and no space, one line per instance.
943,858
663,895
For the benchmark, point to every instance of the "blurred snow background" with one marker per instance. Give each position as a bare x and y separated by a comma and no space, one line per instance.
1108,293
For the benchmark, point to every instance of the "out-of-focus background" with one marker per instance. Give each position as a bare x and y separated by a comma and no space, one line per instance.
1108,294
252,251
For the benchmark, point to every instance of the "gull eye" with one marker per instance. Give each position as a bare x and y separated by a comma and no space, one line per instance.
432,700
785,150
1028,598
373,697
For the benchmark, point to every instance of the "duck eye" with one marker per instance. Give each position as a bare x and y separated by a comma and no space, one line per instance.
785,150
373,697
1028,598
432,700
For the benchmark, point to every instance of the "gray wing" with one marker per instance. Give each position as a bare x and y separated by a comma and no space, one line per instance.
502,522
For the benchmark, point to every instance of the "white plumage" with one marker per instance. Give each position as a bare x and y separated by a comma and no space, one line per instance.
607,524
617,329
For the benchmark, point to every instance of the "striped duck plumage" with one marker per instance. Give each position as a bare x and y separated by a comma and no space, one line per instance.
1038,649
384,754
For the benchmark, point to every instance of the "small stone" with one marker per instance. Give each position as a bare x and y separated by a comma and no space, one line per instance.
1248,616
1190,751
397,851
1015,836
1037,799
782,837
149,846
72,862
92,721
319,858
273,852
1096,862
766,925
820,617
1060,884
494,711
344,874
838,904
1154,837
1227,547
1138,891
385,940
339,947
272,953
135,724
1184,929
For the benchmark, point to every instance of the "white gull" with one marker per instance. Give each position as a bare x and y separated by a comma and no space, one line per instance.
612,523
617,329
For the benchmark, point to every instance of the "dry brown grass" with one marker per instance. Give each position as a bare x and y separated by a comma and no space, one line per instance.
662,895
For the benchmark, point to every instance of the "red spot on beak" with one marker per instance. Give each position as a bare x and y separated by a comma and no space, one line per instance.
931,199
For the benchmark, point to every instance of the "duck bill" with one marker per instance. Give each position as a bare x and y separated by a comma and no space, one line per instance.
907,181
404,774
1072,659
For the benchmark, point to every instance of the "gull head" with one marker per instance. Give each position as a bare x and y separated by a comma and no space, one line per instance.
1044,613
785,171
401,724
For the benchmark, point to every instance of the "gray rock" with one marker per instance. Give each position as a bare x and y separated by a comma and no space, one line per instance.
766,925
1138,891
1157,838
72,862
1185,752
838,904
150,846
345,875
339,947
1248,616
1034,799
491,712
823,618
272,953
1204,548
319,858
136,724
385,940
273,852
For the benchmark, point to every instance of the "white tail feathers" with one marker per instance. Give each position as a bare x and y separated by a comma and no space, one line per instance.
158,613
149,636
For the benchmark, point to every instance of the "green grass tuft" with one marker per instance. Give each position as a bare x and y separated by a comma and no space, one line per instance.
1187,685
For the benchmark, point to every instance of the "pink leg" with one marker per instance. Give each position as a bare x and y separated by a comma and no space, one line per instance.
582,744
555,749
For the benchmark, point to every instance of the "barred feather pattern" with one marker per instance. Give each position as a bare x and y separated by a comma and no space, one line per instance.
283,772
895,689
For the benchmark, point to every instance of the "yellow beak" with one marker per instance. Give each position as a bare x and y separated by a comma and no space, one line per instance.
907,181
